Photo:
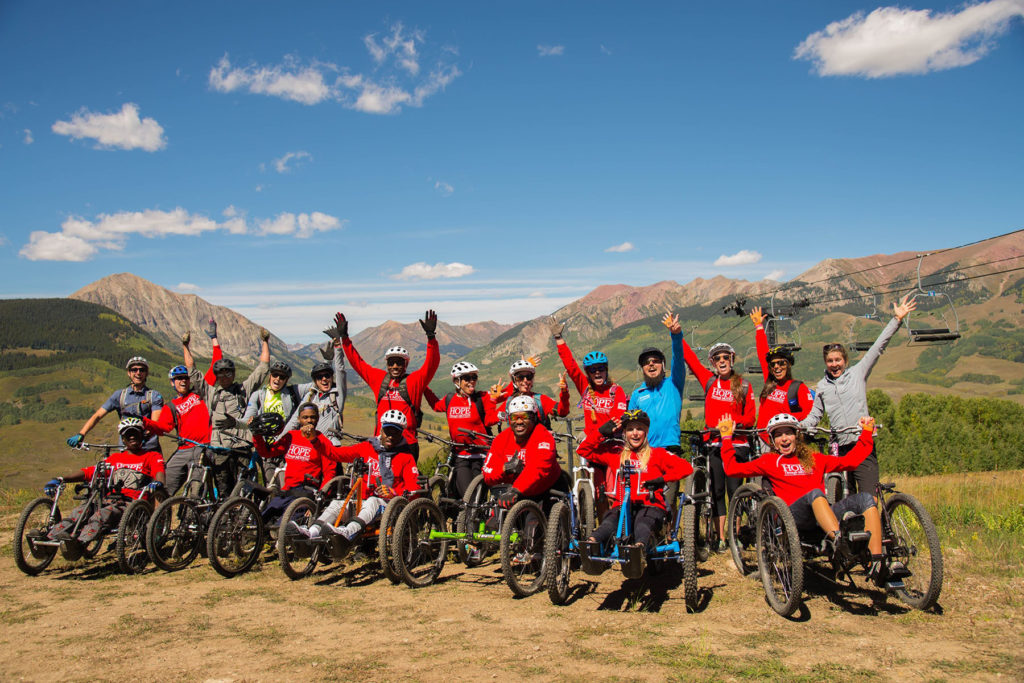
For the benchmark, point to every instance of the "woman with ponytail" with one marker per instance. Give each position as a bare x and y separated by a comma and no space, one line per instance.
781,393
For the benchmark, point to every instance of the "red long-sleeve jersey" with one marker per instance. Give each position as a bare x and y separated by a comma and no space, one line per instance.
392,399
150,464
302,458
187,414
719,399
464,412
402,465
540,462
661,464
778,401
547,404
789,479
599,405
211,377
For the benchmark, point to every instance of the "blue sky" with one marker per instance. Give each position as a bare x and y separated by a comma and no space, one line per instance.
493,160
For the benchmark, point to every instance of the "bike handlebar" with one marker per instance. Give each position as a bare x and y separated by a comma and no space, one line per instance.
88,446
205,446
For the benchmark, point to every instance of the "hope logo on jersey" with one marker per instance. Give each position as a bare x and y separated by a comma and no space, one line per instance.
778,396
793,469
296,452
394,395
460,412
190,402
721,394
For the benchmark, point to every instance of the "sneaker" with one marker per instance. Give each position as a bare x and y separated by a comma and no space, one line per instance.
294,528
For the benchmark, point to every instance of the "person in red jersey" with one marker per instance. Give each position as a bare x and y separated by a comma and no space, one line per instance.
522,373
797,476
395,387
653,469
132,472
522,457
725,393
391,472
781,393
190,417
466,408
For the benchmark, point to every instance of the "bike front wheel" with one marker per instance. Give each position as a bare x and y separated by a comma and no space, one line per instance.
175,534
702,519
34,524
235,539
298,555
779,556
418,558
131,537
741,529
915,543
384,545
557,561
522,548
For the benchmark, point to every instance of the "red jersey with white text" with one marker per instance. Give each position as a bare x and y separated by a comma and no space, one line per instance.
540,462
463,412
403,467
661,463
188,414
599,405
719,400
778,400
148,464
301,457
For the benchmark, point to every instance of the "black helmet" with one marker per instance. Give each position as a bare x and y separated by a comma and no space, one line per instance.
223,364
281,368
267,424
636,415
321,368
783,352
650,351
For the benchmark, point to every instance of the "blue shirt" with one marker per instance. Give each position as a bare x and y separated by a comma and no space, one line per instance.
664,402
134,405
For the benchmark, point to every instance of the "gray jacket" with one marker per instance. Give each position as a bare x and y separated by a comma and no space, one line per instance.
845,398
331,403
231,401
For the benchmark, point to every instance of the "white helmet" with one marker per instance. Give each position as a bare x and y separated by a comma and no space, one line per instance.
136,360
521,366
130,422
718,348
397,351
394,418
782,420
522,404
462,368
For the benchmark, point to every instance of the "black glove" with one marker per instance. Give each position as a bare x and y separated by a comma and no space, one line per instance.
264,334
327,350
513,467
211,329
509,498
186,338
654,484
429,323
607,430
224,422
340,325
556,328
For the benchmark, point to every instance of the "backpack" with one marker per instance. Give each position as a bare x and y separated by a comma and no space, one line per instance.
124,395
793,396
292,392
711,381
403,392
478,400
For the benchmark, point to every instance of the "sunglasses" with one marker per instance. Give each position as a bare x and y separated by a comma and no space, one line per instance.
653,360
279,375
321,377
779,363
598,368
138,369
468,378
719,356
832,347
396,361
519,417
522,376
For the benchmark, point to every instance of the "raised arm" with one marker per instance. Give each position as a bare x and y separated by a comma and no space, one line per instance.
696,367
760,339
900,311
677,372
565,354
264,345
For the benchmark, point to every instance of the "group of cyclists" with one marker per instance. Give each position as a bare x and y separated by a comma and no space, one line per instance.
504,432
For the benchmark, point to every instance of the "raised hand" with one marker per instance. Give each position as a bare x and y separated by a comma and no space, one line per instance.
341,325
726,426
757,316
211,329
429,323
905,306
555,327
327,351
867,424
495,391
308,431
264,334
562,384
671,321
532,360
186,338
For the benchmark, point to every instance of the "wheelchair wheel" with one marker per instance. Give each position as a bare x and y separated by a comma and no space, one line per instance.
471,517
779,556
522,548
35,523
688,555
557,561
418,559
297,554
387,526
702,518
915,543
235,538
586,507
741,529
174,534
131,537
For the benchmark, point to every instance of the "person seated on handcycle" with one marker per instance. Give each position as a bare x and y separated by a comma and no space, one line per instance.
652,469
132,472
391,472
522,458
302,449
797,476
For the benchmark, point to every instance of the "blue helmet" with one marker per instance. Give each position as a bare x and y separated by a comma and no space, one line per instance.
594,358
177,371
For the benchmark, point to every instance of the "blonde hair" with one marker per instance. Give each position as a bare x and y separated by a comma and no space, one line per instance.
644,454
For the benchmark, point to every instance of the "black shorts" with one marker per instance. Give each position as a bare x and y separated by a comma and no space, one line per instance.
804,516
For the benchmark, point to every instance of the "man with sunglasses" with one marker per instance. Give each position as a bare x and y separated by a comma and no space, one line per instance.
136,399
327,391
395,387
226,400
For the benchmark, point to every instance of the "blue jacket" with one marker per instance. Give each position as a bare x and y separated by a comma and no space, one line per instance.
664,403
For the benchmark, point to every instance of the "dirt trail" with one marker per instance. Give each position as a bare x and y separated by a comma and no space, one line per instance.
88,622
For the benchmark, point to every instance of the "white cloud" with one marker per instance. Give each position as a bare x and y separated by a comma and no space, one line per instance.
741,258
775,275
186,287
423,271
28,137
444,188
891,41
281,164
288,81
551,50
620,248
123,129
400,47
80,239
605,51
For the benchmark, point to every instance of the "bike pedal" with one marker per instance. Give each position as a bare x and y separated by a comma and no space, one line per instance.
893,584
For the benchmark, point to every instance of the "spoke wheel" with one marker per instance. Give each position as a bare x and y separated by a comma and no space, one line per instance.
470,520
702,518
418,559
586,511
522,548
297,554
779,556
557,561
384,545
34,523
741,529
131,537
915,543
175,534
235,539
688,556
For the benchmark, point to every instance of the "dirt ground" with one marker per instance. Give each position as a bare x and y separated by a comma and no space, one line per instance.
88,622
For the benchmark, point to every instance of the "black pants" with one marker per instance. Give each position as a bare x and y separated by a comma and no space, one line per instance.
276,505
225,468
721,483
646,518
866,475
466,470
